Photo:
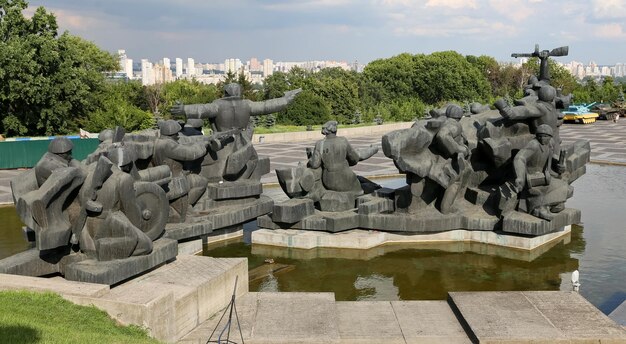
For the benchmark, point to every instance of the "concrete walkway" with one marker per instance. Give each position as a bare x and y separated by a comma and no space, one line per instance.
608,144
485,317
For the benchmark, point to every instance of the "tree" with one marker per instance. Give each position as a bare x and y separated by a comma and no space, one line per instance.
189,92
307,109
122,106
560,77
48,83
447,75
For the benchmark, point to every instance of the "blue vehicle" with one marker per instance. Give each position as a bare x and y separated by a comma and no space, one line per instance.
580,113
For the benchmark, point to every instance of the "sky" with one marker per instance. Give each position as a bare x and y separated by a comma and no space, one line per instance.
346,30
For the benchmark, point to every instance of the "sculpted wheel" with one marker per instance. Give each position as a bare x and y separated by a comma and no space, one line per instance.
153,207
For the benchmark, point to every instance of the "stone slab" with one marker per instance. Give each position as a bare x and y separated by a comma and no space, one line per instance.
540,317
368,322
56,284
238,189
194,246
115,271
428,322
296,318
619,314
292,210
522,223
430,220
338,222
367,239
246,308
219,218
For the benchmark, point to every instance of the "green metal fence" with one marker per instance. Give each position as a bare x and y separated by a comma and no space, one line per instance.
18,154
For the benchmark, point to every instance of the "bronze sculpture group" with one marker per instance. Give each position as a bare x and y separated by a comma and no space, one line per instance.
122,210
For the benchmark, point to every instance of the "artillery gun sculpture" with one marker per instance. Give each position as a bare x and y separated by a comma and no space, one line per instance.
123,209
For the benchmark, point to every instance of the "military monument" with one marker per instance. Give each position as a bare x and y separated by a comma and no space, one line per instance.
121,211
502,170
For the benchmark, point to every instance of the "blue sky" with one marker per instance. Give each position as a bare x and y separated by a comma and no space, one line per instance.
363,30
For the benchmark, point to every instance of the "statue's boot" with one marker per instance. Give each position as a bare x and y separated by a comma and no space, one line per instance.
543,213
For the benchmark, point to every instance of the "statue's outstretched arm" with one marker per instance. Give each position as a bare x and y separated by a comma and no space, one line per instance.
352,155
186,152
209,110
273,105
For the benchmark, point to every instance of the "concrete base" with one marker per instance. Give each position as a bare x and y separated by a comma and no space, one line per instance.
218,218
364,239
115,271
195,246
534,316
522,223
169,301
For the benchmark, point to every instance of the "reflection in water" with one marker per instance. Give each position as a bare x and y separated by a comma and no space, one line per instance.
396,272
11,238
376,288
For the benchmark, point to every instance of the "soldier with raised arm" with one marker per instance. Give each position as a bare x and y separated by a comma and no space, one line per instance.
237,159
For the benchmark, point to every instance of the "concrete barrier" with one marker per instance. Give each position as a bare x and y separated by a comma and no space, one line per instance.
315,135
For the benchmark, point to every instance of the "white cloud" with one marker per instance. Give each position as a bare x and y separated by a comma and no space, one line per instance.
610,31
454,4
515,10
459,26
609,8
307,4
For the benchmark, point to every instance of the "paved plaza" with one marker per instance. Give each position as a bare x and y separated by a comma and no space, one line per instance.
608,145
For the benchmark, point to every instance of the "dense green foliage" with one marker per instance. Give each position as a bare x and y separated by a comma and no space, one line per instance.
28,317
48,82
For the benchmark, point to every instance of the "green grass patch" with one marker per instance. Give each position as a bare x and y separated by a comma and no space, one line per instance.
279,128
29,317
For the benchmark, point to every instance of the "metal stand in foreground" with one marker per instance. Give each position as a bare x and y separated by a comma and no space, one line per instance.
226,330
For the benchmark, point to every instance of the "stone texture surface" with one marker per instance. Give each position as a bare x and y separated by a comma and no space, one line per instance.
218,218
428,322
292,210
521,223
238,189
56,284
115,271
296,318
367,239
367,322
540,317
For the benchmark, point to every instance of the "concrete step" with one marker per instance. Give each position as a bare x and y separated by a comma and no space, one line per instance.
533,316
317,318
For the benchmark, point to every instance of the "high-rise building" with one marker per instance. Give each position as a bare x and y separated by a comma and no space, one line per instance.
232,65
167,63
147,73
255,65
126,64
268,67
179,67
191,67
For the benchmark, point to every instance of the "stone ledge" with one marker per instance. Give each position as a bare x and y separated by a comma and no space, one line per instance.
366,239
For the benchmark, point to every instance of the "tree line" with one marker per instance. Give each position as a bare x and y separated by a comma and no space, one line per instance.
53,83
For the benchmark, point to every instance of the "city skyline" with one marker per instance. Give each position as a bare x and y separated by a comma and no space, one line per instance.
347,30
